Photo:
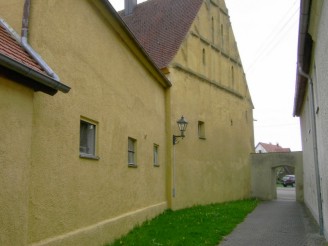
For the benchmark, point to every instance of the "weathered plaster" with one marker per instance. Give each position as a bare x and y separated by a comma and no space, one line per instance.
67,200
264,175
318,72
16,107
217,168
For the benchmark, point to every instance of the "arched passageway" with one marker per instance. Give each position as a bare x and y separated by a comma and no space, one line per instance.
264,174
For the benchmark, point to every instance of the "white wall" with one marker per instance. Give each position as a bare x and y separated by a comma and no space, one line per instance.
259,149
310,190
320,79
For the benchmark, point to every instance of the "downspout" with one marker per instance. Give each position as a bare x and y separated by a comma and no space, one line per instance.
28,48
315,147
173,174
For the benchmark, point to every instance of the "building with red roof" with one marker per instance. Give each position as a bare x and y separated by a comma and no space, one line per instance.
270,148
83,168
192,42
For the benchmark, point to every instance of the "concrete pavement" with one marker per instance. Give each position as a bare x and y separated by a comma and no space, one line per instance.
280,222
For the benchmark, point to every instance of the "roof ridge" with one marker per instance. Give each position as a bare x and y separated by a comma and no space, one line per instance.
273,147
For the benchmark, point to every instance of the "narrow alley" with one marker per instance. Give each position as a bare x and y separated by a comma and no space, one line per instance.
279,222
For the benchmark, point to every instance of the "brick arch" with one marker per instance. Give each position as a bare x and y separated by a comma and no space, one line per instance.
263,173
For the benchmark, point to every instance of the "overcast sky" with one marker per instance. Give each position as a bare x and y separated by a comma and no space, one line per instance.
266,34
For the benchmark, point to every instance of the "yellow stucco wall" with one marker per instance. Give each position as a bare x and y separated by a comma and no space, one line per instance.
75,201
16,107
217,168
12,12
111,87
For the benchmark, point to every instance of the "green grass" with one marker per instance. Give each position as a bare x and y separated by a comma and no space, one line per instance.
199,225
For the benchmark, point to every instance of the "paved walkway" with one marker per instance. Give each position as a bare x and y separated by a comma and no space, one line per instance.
282,222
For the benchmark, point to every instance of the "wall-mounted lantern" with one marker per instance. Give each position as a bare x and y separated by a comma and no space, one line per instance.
182,124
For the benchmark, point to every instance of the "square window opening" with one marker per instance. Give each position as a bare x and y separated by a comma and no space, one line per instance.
87,139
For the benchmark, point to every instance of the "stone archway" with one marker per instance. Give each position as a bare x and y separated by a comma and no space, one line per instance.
264,177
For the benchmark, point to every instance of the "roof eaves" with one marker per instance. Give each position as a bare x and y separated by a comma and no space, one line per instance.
163,79
26,70
303,54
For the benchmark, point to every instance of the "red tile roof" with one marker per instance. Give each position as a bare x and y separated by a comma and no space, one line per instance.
273,147
11,48
161,25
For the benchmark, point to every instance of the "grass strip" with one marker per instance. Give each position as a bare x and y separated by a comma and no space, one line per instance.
198,225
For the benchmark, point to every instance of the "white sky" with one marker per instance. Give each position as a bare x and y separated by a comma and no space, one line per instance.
266,34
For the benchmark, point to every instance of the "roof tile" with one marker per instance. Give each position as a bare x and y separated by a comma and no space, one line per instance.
11,48
160,26
273,148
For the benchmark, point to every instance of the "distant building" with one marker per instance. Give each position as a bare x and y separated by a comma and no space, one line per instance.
269,148
275,148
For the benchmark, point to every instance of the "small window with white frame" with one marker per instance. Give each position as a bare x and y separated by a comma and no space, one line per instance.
132,152
88,139
155,155
201,130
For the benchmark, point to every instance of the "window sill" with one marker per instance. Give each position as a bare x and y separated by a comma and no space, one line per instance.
203,138
132,165
156,165
87,156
